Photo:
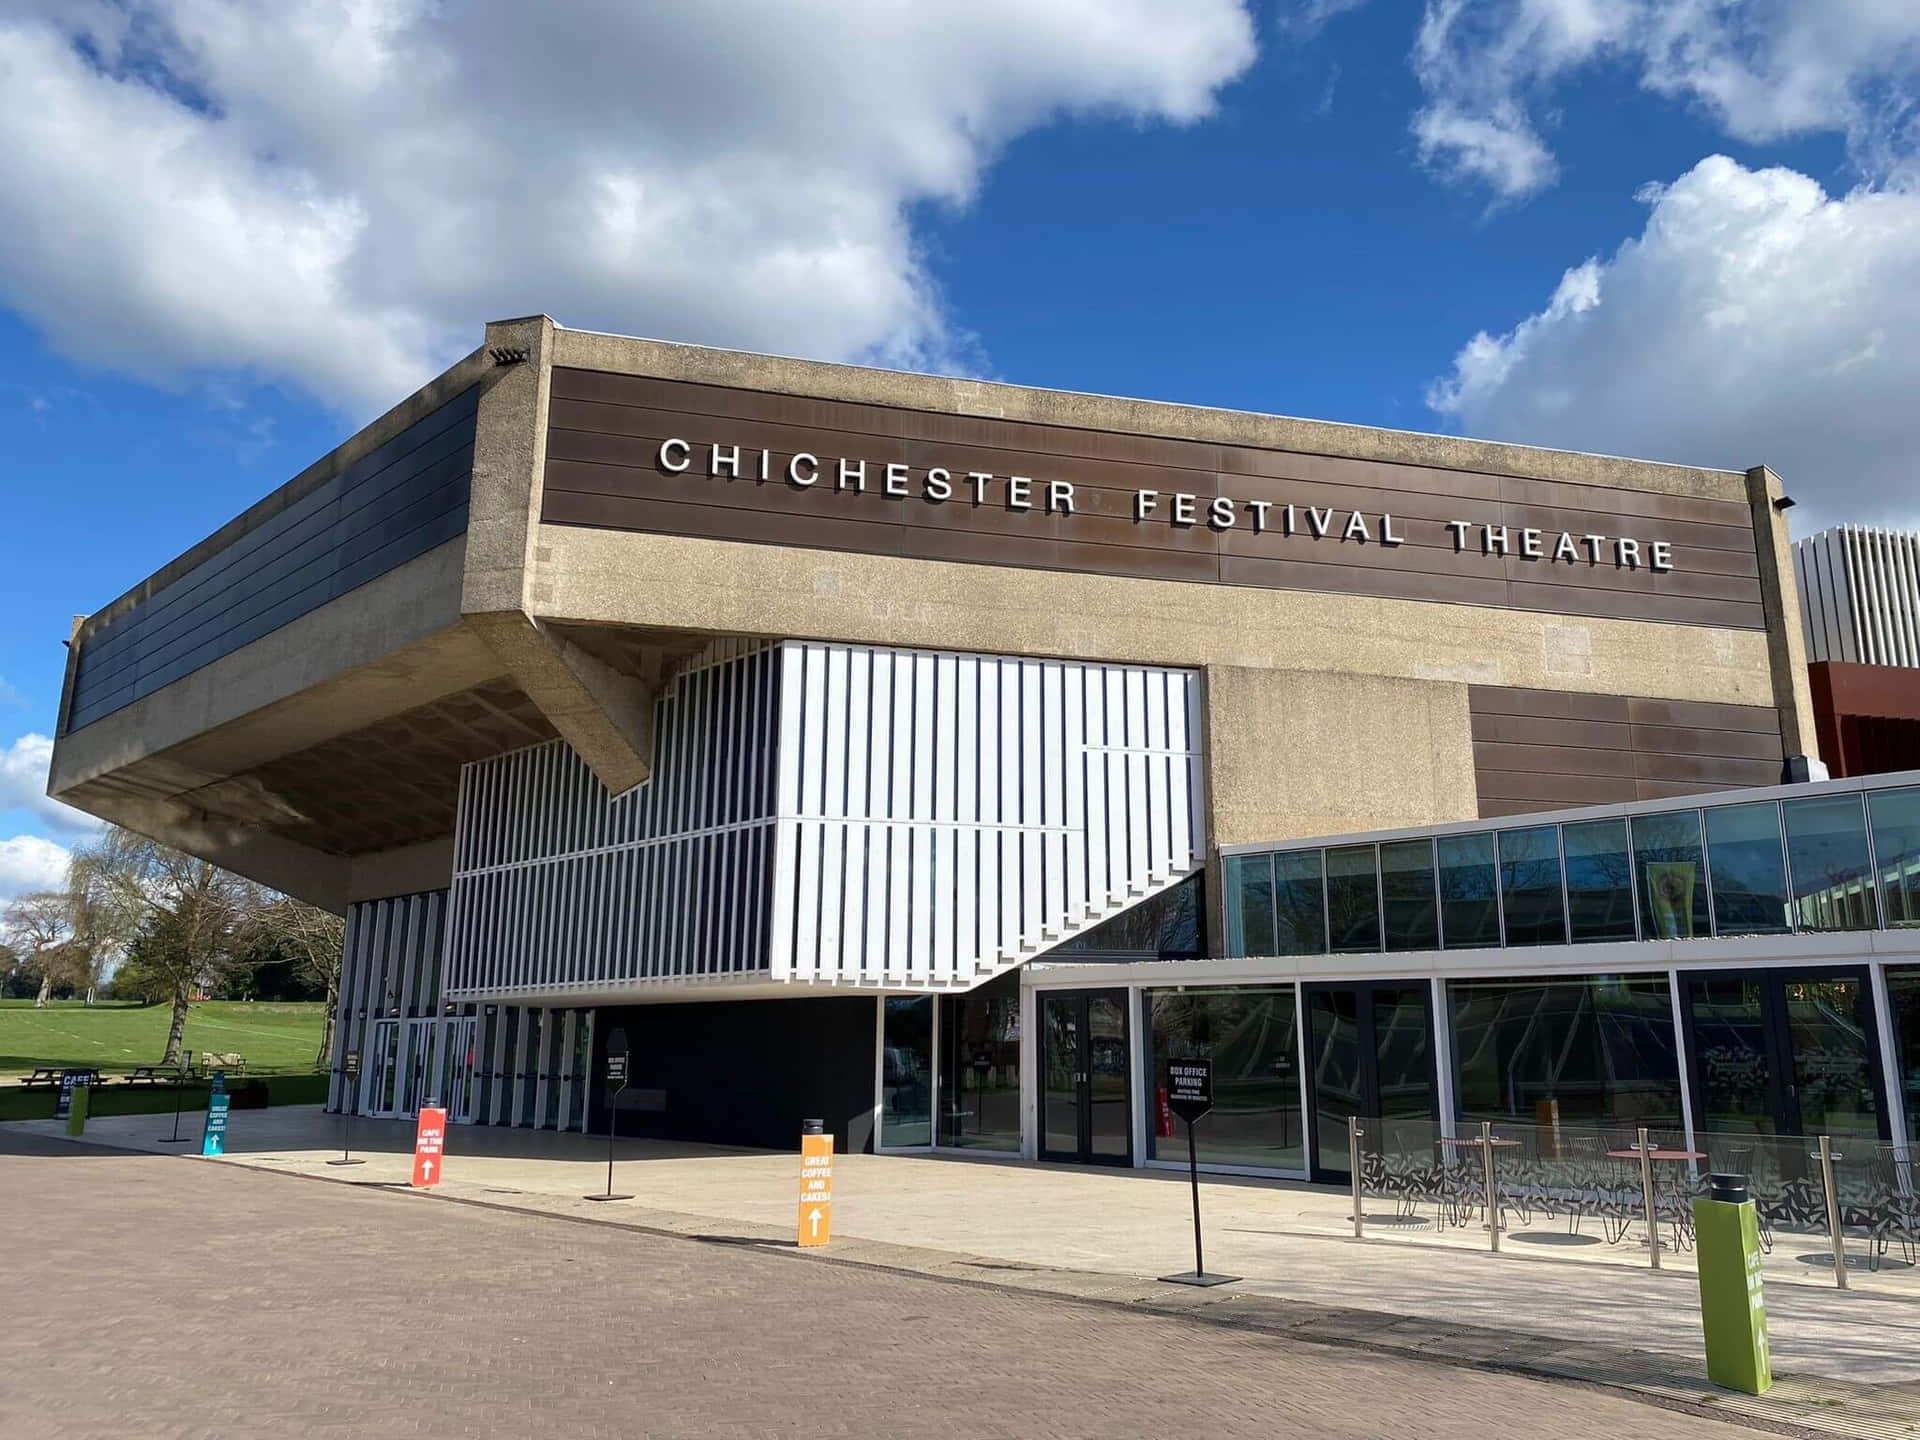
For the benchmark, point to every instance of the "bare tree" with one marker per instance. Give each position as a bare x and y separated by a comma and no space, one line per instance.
184,917
39,927
315,940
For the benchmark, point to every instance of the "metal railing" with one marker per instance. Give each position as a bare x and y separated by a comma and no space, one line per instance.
1634,1186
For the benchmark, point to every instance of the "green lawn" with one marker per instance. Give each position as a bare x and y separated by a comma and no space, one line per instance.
278,1041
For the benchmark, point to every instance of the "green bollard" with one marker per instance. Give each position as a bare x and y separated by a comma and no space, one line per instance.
1733,1311
77,1115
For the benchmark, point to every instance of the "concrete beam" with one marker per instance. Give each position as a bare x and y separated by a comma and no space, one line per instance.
272,860
1786,640
604,714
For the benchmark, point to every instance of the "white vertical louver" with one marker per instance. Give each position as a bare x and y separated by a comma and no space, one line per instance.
944,817
1860,595
832,815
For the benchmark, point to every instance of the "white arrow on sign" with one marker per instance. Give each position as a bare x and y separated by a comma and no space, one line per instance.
426,1169
814,1216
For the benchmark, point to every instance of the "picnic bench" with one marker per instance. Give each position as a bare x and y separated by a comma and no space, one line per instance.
51,1075
152,1075
209,1062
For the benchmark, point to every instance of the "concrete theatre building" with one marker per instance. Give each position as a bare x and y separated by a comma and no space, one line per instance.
942,757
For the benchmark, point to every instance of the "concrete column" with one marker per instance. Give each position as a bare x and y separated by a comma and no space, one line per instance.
1786,642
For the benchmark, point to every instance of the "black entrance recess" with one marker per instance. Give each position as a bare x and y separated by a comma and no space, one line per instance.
1784,1052
1371,1055
1085,1110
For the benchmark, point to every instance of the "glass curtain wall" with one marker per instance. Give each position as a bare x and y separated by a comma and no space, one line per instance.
1469,892
1748,870
1670,874
1827,857
1530,886
1896,853
980,1066
1252,1038
1587,1050
906,1072
1599,890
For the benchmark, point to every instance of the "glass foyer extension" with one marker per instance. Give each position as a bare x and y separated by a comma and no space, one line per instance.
1748,963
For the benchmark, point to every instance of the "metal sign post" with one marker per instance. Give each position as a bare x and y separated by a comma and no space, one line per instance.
616,1083
1190,1096
179,1094
350,1068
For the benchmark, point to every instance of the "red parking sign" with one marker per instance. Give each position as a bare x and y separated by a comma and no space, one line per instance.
429,1145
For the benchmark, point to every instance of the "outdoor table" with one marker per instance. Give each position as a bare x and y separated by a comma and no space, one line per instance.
1633,1152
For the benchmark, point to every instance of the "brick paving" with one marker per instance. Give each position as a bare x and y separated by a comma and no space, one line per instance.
159,1296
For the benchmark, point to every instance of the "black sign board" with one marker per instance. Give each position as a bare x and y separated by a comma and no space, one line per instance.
616,1071
1190,1088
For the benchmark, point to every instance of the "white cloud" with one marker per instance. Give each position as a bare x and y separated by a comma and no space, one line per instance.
23,786
1761,69
337,192
1756,320
29,863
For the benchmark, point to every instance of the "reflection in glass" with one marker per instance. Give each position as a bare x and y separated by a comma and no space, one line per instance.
1749,870
906,1070
980,1066
1832,1057
1109,1110
1249,880
1599,881
1589,1050
1060,1074
1333,1021
1903,991
1668,864
1530,886
1353,899
1402,1046
1407,895
1730,1042
1469,908
1300,904
1161,927
1249,1035
1827,857
1896,851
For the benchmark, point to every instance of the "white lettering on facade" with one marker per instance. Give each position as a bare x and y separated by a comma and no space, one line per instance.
1025,494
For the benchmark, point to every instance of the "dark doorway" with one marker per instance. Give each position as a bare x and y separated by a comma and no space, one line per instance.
1784,1052
1086,1112
1370,1053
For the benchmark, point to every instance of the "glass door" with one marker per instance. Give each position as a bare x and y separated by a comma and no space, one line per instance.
457,1086
1370,1053
1784,1052
385,1059
421,1035
1086,1112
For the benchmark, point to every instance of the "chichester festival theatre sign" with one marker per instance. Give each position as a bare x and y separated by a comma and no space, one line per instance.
938,485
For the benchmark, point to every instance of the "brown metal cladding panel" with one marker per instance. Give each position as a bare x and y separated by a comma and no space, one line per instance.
913,512
1553,730
1727,744
1643,504
1725,771
662,517
1566,704
607,428
1550,792
574,422
1704,714
1685,534
1675,789
881,421
1553,759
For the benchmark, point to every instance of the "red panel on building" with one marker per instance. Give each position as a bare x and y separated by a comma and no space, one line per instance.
1867,717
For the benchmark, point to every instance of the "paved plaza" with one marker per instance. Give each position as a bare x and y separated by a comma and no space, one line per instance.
1069,1252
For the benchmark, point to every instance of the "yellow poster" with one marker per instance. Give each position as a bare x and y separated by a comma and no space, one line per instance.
1670,886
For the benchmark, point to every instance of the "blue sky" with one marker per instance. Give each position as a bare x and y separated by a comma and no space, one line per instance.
240,231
